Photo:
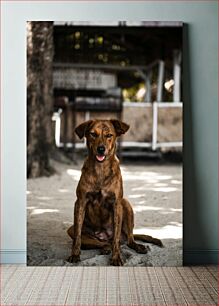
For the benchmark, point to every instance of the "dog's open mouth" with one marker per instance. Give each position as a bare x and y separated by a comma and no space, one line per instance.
100,158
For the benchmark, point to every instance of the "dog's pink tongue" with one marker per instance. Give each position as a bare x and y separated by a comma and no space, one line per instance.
100,158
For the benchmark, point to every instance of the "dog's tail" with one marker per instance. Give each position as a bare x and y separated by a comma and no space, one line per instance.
149,239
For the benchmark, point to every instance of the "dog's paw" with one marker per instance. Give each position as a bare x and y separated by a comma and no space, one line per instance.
73,258
158,242
141,249
105,251
117,261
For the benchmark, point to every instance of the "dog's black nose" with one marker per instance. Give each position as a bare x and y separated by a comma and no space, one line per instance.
100,149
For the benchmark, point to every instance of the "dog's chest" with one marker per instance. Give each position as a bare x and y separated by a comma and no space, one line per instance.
98,177
103,180
99,209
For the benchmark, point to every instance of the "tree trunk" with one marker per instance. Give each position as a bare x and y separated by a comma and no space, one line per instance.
39,97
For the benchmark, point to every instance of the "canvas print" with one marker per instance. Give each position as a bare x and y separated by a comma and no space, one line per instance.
104,143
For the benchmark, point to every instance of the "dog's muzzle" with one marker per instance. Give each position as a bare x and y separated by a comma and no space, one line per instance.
100,153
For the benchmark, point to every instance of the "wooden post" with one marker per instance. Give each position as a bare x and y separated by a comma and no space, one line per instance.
65,119
160,81
177,75
86,118
58,127
148,87
154,127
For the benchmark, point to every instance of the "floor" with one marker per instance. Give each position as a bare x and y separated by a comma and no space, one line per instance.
105,286
153,189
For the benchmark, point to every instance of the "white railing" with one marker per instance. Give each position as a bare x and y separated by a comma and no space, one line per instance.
154,144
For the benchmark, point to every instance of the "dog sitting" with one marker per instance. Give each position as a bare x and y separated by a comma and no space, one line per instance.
102,216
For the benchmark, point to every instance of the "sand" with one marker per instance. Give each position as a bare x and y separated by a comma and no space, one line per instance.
154,190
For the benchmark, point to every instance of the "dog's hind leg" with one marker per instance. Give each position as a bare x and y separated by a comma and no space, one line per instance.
127,228
149,239
90,242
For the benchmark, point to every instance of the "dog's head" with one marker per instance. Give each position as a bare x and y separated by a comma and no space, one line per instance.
101,136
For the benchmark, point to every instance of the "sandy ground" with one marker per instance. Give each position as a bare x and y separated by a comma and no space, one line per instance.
155,191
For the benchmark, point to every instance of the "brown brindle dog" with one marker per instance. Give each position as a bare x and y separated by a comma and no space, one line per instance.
102,217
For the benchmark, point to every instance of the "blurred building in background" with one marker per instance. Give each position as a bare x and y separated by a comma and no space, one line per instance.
126,70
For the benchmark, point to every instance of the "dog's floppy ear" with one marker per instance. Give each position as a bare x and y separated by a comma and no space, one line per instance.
83,128
119,126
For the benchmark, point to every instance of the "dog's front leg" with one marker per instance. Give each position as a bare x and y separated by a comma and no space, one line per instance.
79,212
117,225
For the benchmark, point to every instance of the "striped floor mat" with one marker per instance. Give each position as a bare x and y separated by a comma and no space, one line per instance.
79,286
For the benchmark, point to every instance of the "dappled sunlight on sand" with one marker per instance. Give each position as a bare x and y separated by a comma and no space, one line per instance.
75,174
150,181
176,182
165,189
147,176
40,211
138,188
135,196
160,185
169,231
149,187
62,190
68,222
139,208
45,198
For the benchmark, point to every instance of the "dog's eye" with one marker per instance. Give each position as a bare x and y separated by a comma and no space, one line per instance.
93,134
109,135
